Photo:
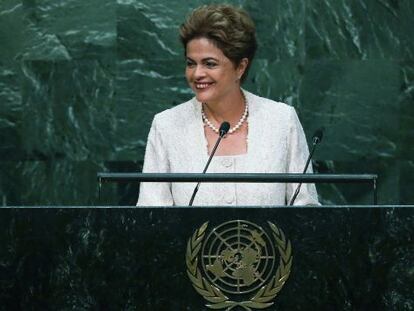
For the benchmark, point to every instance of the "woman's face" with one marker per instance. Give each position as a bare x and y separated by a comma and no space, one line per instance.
211,75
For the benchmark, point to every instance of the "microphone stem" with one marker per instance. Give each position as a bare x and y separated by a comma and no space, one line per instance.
309,158
304,171
205,169
212,154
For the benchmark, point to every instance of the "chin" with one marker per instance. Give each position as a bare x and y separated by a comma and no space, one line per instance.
203,96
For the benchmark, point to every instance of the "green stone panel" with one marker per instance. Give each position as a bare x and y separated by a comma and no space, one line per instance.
12,34
125,194
388,183
357,102
68,110
148,30
51,182
278,80
406,181
62,30
279,27
406,129
62,182
11,44
10,113
353,29
406,29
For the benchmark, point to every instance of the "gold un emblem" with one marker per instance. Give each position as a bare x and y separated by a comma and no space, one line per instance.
234,265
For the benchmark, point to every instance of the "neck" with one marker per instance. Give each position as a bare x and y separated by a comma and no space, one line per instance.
229,109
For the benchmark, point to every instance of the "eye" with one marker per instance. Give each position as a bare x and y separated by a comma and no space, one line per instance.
189,63
210,64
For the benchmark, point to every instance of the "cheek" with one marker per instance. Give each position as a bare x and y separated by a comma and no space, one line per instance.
188,74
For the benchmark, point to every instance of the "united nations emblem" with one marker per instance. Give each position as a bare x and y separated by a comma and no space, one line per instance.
235,264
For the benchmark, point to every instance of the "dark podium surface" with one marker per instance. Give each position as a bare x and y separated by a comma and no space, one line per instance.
128,258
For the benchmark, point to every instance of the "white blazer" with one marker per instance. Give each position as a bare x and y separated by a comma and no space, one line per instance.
177,144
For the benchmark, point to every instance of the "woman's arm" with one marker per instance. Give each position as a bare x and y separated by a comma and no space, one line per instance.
297,155
155,161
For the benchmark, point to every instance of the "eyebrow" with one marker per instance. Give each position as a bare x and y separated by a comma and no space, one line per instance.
204,59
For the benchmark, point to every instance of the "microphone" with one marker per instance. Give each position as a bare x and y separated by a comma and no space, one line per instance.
317,136
316,139
224,128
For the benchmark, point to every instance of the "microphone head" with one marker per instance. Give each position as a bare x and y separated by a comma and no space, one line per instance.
317,137
224,128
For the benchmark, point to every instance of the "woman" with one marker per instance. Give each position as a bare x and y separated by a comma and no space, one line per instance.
264,137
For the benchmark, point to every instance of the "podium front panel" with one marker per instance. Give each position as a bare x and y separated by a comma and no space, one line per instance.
117,258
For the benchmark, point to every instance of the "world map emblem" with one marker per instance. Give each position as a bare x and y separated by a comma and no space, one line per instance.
238,265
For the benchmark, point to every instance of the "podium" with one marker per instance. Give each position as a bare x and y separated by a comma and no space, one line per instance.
128,258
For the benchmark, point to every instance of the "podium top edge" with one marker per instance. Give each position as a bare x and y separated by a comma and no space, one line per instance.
322,207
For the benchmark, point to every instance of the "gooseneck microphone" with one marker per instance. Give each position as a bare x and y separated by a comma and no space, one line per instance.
224,128
316,139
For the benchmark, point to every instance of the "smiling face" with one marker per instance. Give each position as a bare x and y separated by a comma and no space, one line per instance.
211,75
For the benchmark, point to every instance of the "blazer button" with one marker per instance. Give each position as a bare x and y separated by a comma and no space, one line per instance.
229,199
227,162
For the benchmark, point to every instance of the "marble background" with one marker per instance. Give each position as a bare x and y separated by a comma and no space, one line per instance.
81,80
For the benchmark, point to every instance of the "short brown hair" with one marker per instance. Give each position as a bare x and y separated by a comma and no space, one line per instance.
231,29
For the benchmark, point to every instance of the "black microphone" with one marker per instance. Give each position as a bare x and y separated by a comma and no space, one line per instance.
224,128
316,139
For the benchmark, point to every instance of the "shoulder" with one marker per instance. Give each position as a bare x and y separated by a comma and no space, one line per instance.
266,108
177,116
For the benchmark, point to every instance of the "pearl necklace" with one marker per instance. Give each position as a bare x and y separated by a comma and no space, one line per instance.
234,128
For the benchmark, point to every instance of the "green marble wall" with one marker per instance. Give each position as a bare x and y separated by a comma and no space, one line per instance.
81,80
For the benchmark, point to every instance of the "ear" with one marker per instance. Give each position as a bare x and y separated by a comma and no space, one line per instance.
242,67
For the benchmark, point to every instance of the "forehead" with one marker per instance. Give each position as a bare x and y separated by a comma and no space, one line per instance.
201,48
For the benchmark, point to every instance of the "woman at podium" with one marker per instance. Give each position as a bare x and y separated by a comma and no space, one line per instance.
264,136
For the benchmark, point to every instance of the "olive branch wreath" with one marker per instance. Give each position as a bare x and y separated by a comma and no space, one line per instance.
262,299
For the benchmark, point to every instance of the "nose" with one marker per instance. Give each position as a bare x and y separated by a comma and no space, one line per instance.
198,72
